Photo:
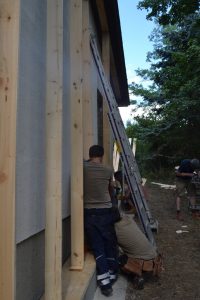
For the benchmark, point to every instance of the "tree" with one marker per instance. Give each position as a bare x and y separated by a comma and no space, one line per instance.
174,94
169,11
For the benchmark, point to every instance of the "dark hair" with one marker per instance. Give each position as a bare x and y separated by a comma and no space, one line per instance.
118,175
96,151
195,163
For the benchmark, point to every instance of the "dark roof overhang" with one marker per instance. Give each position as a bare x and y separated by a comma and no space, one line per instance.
107,18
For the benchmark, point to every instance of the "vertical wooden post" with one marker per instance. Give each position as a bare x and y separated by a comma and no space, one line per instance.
116,158
134,145
87,82
54,93
106,125
76,31
9,48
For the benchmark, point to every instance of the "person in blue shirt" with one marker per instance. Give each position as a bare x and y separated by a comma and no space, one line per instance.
184,184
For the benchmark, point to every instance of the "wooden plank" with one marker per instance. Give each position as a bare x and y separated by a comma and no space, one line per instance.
9,41
116,158
107,137
134,145
75,283
88,132
76,80
102,15
54,93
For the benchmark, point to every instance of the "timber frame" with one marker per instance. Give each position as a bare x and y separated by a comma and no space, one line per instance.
87,17
9,37
54,92
81,97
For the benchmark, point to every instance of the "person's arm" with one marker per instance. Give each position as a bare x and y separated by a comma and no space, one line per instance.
111,185
111,189
127,192
181,174
181,171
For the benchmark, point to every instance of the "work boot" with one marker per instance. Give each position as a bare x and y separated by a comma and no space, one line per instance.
106,290
104,282
138,282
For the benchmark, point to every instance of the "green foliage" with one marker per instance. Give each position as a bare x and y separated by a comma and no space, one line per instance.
169,11
170,128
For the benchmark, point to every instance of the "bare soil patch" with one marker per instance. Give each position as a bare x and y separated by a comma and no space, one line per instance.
181,278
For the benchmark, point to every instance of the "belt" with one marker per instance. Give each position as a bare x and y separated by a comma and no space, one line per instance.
97,211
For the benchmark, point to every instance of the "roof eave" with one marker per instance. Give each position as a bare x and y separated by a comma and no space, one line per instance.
113,19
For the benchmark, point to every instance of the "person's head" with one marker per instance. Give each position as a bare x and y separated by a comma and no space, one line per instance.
96,151
195,164
118,176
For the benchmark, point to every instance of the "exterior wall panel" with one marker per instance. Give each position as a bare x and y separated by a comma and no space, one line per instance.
30,158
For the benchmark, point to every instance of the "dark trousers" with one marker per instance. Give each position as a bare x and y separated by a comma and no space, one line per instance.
101,237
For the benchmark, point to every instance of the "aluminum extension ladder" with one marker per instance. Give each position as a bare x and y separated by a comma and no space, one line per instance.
130,166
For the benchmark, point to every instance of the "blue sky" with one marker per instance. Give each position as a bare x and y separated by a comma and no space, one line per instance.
135,31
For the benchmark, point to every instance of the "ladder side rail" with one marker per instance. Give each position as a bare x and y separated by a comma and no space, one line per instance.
114,109
143,217
126,141
125,145
136,197
122,140
112,105
136,190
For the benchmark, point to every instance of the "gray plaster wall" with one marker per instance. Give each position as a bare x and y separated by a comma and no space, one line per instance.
30,260
30,158
30,268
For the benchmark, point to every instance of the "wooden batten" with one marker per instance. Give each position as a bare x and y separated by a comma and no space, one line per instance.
116,158
134,145
87,83
9,41
106,125
76,82
102,15
54,93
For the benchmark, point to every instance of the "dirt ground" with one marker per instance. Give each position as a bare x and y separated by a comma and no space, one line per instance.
181,278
